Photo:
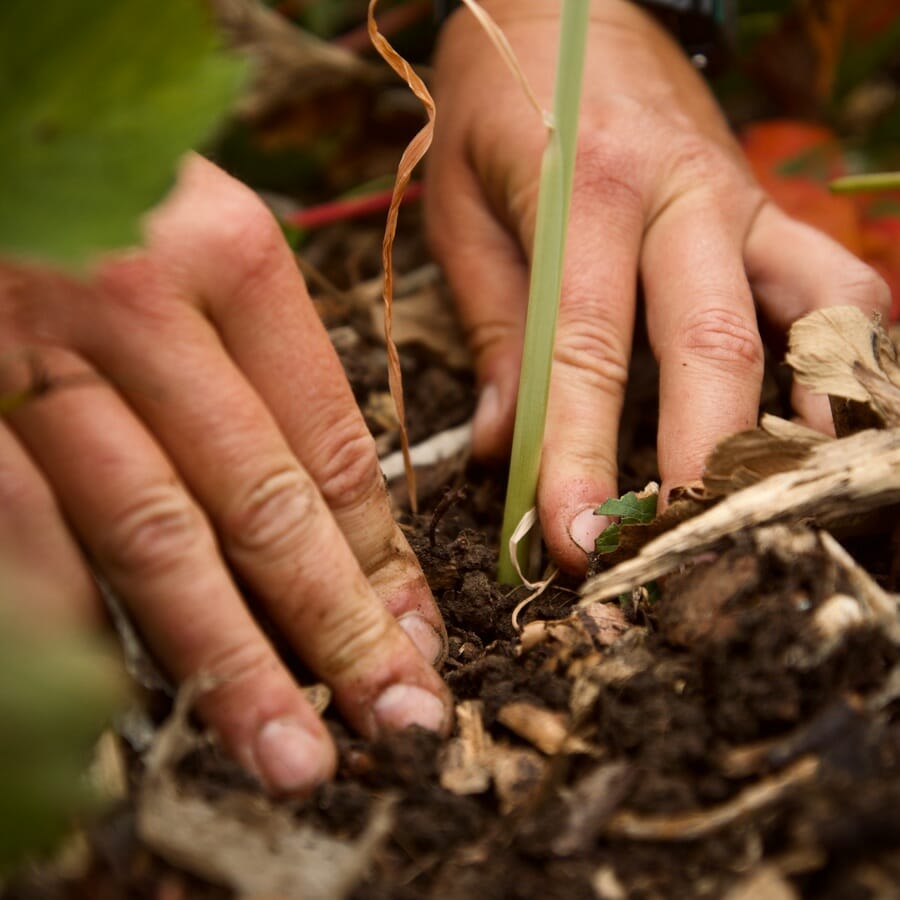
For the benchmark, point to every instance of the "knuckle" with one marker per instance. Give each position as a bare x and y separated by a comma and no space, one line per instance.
723,337
155,532
493,337
350,475
695,155
248,236
865,288
586,344
273,516
607,167
233,666
348,637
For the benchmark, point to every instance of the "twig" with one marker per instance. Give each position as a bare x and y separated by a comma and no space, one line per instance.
691,826
349,208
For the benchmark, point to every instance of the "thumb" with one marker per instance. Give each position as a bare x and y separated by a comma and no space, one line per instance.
488,275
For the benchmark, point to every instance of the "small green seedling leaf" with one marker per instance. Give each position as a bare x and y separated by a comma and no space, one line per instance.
98,101
630,508
608,539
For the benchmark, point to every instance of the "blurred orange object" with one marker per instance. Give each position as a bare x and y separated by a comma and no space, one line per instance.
794,161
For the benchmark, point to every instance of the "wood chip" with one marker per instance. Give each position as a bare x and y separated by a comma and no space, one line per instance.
467,762
543,728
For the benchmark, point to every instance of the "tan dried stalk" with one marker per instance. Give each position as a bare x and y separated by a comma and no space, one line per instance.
413,154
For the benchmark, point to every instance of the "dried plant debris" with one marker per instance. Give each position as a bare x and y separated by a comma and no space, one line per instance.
243,840
748,457
839,352
290,64
838,479
783,471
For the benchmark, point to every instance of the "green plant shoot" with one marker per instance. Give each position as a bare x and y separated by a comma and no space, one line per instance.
555,192
857,184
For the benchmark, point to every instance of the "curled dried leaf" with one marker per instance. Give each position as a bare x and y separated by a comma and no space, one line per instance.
839,352
413,154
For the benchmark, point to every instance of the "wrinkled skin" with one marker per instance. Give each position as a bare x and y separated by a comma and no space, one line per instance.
211,420
661,193
201,424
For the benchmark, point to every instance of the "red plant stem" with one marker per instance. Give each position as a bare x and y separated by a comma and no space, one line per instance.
389,23
351,208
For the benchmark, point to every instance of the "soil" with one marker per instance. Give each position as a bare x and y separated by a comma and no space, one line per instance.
722,740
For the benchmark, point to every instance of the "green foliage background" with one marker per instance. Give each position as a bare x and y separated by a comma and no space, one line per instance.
98,101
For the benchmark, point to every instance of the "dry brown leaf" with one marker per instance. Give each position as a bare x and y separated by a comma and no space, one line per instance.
601,625
839,352
426,317
748,457
413,154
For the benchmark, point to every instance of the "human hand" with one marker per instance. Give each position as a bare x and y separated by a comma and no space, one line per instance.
661,193
212,428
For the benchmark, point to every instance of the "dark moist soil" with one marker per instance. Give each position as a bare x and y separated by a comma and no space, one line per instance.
720,691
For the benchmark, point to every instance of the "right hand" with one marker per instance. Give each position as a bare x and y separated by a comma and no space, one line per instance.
212,429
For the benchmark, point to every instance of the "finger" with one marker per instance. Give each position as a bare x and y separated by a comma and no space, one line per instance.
795,269
272,522
44,577
488,274
265,319
155,546
590,361
702,327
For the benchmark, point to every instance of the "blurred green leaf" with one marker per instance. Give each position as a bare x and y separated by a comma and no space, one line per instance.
861,60
56,695
98,101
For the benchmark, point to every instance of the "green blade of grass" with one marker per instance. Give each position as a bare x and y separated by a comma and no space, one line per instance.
856,184
555,192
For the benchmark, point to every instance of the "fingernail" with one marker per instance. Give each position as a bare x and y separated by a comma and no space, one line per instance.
402,705
290,758
425,636
586,527
488,410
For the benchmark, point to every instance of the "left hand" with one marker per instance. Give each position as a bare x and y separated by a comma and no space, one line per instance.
662,192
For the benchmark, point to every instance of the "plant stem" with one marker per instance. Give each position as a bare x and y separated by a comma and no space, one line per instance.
854,184
554,197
